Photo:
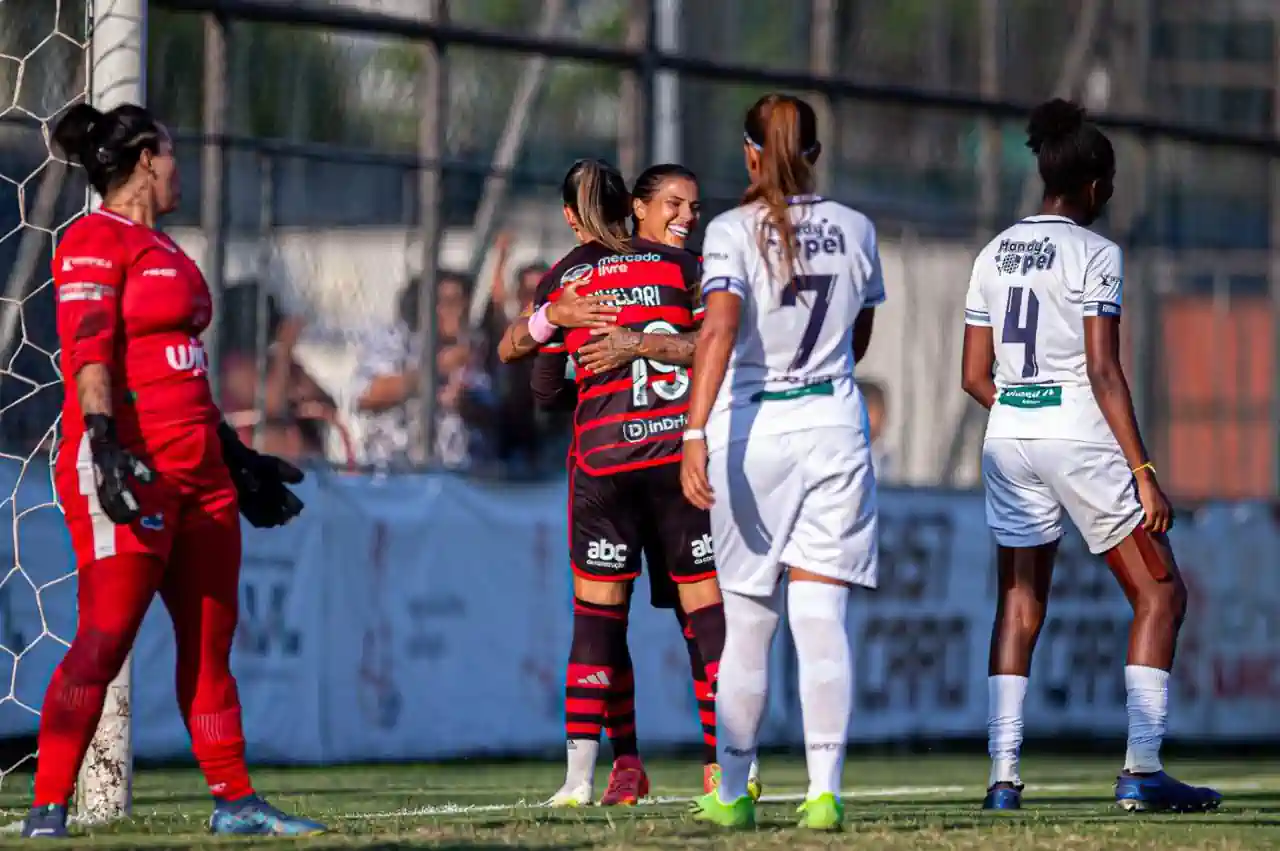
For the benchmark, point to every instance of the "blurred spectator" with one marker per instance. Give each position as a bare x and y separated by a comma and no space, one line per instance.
296,411
522,429
873,397
388,359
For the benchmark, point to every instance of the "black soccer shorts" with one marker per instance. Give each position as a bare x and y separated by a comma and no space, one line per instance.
614,519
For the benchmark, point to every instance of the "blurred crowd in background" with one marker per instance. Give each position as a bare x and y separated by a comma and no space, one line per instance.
486,419
322,150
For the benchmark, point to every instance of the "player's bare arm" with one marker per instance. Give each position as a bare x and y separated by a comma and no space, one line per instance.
570,310
517,342
976,364
863,325
1111,390
618,347
93,389
710,363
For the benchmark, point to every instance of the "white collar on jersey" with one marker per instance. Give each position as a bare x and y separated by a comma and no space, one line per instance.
1047,217
102,211
804,199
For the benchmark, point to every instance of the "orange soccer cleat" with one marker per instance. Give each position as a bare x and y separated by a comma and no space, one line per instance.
628,783
710,777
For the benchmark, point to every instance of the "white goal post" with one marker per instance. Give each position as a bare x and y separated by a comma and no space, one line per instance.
118,68
53,54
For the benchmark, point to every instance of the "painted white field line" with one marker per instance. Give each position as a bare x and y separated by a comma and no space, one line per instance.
1239,784
450,809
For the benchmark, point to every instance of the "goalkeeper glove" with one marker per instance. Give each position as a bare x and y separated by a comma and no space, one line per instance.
260,482
113,470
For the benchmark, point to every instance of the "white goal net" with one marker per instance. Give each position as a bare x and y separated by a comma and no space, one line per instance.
53,53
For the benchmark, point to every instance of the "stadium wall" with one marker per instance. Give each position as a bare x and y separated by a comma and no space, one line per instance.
427,617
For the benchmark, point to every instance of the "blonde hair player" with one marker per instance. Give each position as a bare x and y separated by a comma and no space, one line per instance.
1041,352
777,449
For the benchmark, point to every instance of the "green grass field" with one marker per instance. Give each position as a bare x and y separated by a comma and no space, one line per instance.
892,803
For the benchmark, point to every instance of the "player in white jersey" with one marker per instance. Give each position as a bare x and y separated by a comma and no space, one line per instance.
777,448
1041,352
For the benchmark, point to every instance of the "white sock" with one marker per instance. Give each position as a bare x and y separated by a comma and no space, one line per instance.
742,686
582,762
1005,693
816,613
1147,691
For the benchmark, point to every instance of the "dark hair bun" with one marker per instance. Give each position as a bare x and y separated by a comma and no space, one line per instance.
1051,121
75,131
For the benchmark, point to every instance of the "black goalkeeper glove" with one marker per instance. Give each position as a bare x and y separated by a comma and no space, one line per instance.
114,469
260,482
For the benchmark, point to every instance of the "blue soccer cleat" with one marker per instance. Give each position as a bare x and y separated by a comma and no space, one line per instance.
1003,796
254,816
47,822
1161,793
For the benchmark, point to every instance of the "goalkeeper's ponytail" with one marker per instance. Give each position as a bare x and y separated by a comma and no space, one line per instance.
108,144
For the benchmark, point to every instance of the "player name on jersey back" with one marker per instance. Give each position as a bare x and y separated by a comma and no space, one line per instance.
1034,285
634,416
792,365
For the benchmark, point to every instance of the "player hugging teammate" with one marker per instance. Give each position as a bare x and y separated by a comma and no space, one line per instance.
624,308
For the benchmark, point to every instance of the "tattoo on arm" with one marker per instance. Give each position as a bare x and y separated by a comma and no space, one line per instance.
93,389
519,342
674,349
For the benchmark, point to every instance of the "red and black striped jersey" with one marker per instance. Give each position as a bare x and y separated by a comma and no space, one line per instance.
634,416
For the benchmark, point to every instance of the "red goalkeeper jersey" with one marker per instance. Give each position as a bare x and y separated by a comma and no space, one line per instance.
130,298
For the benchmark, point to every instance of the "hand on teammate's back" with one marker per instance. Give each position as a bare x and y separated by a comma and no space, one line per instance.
260,482
113,470
582,311
1155,505
612,348
693,475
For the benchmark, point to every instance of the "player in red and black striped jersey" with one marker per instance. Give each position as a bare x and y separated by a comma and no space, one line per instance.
628,425
665,210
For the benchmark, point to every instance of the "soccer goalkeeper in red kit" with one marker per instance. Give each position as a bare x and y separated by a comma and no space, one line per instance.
151,479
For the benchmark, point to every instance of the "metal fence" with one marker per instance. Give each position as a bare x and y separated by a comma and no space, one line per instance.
335,154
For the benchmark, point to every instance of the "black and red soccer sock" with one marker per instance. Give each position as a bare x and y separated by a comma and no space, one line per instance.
620,710
702,691
707,624
598,633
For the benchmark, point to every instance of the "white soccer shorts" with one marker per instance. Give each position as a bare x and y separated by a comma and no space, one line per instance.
1029,482
806,500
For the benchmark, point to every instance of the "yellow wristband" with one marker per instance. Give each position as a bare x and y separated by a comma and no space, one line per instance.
1147,466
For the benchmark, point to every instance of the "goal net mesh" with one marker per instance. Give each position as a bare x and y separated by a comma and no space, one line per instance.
44,68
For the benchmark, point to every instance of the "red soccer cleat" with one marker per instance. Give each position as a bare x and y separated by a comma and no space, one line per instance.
627,783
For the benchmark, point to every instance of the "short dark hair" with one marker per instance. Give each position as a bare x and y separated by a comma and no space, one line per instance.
411,295
653,177
539,268
1071,152
108,144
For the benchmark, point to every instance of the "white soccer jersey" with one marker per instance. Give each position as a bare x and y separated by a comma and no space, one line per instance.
1033,285
795,341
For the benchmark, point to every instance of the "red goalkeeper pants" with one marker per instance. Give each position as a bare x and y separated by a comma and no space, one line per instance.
190,555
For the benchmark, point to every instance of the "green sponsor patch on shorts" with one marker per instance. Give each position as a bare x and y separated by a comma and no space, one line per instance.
821,388
1032,396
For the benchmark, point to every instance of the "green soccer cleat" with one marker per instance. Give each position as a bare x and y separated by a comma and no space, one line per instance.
825,812
740,815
